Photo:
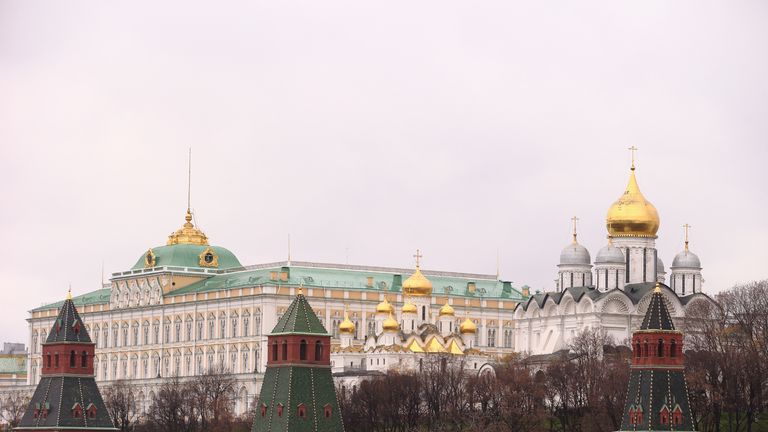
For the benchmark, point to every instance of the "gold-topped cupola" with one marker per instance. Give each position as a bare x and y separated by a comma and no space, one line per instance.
417,284
632,215
188,234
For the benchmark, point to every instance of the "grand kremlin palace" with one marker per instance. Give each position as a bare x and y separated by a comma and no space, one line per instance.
187,306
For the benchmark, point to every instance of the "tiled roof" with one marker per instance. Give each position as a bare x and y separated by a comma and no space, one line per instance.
61,393
294,385
68,326
657,316
299,318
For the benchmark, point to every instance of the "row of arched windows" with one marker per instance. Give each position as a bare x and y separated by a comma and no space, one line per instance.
644,350
72,359
302,350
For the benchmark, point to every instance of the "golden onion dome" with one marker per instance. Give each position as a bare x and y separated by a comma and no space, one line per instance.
468,327
417,284
347,326
409,307
632,215
385,307
188,234
447,310
390,324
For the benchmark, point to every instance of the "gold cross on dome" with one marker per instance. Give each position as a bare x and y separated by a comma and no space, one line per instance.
632,150
574,220
686,227
418,257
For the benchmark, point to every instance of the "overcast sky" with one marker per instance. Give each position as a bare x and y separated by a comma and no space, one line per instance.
367,130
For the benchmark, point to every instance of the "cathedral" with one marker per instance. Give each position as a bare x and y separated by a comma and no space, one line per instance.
188,305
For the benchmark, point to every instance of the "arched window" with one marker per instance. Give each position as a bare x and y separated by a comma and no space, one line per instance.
84,360
49,360
646,353
285,350
327,411
303,350
72,358
318,350
274,351
56,360
302,411
673,348
660,350
637,350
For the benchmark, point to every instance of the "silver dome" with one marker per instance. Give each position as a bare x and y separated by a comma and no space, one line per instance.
609,254
686,259
659,265
575,254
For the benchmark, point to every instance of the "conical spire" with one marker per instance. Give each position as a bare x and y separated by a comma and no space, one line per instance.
657,317
300,318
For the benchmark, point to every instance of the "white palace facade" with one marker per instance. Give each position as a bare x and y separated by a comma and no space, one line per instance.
187,306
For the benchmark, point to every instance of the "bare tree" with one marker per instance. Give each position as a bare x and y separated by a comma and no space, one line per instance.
213,394
13,407
121,404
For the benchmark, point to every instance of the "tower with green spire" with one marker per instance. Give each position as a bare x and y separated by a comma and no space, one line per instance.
67,397
657,394
298,393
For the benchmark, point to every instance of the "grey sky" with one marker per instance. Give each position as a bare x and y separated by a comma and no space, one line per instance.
456,127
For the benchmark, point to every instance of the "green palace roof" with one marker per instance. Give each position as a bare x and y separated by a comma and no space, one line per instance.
188,255
319,275
94,297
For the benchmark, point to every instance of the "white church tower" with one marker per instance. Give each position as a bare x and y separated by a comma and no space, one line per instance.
686,271
575,268
632,224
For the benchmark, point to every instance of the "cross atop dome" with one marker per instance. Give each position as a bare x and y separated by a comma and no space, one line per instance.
632,150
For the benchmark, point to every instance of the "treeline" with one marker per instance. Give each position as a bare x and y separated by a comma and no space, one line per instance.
201,404
727,361
583,390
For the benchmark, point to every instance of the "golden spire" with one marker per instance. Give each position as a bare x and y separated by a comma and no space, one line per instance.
574,220
632,215
346,326
409,307
446,310
658,288
188,234
390,324
417,284
384,306
69,293
686,227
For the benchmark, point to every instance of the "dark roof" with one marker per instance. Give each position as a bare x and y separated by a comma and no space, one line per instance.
299,318
294,385
657,317
634,292
60,394
68,326
651,390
